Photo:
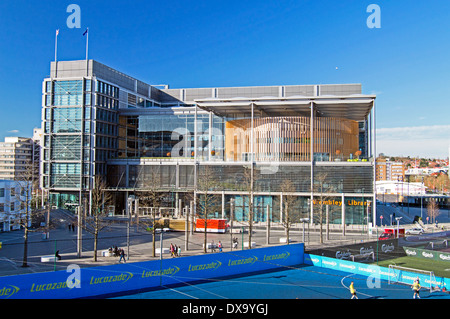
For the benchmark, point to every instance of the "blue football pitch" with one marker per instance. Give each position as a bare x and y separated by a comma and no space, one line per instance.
303,282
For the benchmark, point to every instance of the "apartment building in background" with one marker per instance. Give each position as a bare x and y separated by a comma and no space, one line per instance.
19,158
98,121
14,202
390,171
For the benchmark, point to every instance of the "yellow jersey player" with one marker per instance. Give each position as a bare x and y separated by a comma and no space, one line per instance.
416,288
353,291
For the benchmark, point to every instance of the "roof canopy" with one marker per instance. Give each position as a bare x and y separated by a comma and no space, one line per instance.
354,107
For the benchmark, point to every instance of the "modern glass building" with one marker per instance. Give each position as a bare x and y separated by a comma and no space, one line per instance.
250,141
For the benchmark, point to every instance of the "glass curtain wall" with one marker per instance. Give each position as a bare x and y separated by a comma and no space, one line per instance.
172,136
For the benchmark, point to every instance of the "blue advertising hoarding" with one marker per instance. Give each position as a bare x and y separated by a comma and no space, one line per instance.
118,279
374,271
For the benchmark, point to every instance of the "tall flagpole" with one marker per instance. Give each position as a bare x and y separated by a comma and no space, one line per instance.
56,53
87,41
56,44
87,48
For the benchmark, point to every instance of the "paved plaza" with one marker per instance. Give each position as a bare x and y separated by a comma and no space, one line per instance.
137,243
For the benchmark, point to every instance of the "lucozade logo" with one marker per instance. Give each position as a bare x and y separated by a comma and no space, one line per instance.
123,277
8,291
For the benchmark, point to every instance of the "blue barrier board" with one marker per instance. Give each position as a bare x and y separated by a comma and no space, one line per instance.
119,279
374,271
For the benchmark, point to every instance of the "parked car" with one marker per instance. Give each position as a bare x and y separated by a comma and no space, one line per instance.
414,231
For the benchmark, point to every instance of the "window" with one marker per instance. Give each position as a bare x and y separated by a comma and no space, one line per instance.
67,120
68,93
88,86
48,86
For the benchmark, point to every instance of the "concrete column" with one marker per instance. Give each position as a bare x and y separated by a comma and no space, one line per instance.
343,214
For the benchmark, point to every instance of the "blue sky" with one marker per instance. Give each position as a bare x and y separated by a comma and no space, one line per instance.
406,62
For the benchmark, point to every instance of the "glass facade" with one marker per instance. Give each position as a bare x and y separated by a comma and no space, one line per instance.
105,123
330,184
68,93
80,131
172,136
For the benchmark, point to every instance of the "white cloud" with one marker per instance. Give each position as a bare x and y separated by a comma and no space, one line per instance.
424,141
13,131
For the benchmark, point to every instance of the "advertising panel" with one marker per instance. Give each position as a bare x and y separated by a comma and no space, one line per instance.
373,271
427,254
117,279
381,250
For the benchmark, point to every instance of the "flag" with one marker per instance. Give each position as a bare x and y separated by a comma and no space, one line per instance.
85,32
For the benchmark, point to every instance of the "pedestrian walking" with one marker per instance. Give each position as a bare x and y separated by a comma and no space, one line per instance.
122,256
220,246
179,251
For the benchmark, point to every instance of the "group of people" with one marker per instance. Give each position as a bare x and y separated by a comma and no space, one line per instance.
117,252
175,250
214,246
415,287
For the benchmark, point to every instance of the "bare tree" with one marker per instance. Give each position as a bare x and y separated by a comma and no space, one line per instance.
150,198
96,221
207,202
433,210
249,186
290,215
322,188
23,197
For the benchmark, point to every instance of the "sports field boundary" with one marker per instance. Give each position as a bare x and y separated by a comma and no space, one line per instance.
372,271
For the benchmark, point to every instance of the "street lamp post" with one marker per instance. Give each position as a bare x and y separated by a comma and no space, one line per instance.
303,221
398,222
231,221
421,200
79,231
160,255
131,200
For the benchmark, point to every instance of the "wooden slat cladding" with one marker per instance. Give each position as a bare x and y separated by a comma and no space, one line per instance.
289,138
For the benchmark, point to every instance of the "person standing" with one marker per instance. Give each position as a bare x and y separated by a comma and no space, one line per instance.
416,287
353,291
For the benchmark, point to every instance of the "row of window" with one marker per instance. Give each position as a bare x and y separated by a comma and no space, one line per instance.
70,93
12,192
12,207
107,89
